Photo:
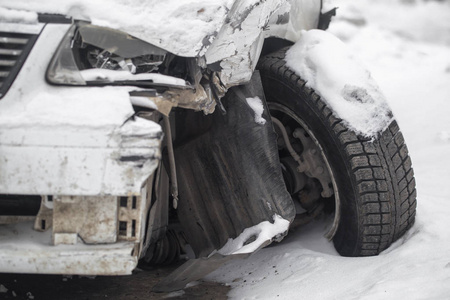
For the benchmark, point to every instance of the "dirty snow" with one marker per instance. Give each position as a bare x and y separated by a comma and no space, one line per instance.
263,232
405,46
332,70
174,294
257,106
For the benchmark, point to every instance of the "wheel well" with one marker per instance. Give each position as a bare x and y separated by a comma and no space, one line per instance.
273,44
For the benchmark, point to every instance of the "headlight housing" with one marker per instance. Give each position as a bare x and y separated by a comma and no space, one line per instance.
94,55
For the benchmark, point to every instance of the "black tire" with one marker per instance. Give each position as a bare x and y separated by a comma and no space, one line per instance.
374,178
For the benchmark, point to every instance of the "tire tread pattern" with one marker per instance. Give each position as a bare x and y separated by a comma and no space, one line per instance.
381,169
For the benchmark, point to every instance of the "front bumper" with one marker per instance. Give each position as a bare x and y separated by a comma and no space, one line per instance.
23,250
78,146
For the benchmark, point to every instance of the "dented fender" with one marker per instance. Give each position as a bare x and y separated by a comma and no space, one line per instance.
236,47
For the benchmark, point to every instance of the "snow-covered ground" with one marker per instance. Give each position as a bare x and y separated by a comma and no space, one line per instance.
406,45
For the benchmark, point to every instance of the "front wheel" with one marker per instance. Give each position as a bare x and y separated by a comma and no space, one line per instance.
368,183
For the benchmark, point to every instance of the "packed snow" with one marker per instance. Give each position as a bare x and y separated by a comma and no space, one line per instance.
257,106
405,45
263,232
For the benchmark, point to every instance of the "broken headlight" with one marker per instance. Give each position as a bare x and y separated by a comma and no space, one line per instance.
93,55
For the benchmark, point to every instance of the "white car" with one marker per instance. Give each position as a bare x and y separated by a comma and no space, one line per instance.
152,130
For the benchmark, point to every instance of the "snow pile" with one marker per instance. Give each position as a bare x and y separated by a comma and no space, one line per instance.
413,71
328,67
263,232
412,20
257,106
13,16
177,26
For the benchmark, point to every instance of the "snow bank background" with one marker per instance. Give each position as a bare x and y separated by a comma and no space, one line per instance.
406,46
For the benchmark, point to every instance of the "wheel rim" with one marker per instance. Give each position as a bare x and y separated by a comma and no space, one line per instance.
286,115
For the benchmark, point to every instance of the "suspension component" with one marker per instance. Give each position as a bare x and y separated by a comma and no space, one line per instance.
310,161
313,164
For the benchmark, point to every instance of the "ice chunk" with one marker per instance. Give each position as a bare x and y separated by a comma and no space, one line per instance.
257,106
264,231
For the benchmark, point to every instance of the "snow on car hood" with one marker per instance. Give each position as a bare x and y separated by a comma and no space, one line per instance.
180,27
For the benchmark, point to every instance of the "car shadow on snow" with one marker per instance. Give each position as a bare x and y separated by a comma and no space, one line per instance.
135,286
312,237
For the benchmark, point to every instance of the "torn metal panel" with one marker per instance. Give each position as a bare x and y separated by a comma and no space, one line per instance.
239,42
197,99
235,181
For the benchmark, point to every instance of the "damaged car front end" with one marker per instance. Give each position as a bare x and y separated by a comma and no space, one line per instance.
108,143
142,139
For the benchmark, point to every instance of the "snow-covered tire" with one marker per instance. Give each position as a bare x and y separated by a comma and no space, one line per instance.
373,178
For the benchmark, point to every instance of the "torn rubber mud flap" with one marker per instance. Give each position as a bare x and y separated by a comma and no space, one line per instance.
229,174
195,269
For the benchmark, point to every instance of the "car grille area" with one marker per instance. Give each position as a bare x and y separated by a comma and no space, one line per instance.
14,49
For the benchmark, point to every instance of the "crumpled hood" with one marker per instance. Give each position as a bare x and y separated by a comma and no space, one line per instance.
181,27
